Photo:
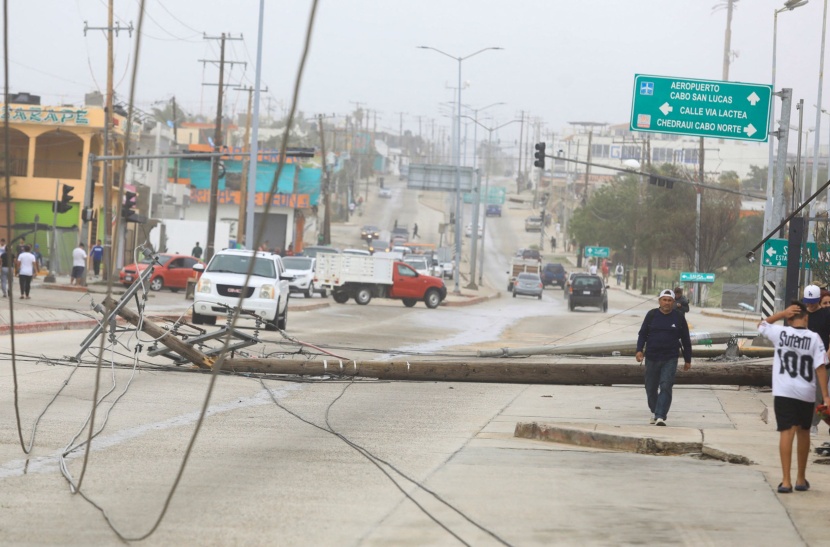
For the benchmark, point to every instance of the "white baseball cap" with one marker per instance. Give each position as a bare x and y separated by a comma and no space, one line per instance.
812,294
667,292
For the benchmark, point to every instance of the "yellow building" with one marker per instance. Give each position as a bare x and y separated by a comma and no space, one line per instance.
50,146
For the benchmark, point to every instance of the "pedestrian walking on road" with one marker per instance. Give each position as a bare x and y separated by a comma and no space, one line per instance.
97,253
27,268
196,252
663,333
793,387
78,265
618,272
680,301
415,231
6,267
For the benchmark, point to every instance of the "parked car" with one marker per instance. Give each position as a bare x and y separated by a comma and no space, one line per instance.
222,288
533,224
528,284
554,274
172,272
493,211
312,251
301,268
385,193
369,232
587,290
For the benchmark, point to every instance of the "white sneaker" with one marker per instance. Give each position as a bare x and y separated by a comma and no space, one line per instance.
814,431
652,420
660,421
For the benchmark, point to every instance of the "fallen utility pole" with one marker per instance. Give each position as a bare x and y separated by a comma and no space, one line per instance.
164,336
501,371
607,348
493,371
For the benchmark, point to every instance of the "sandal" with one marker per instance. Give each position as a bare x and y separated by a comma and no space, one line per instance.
803,487
784,489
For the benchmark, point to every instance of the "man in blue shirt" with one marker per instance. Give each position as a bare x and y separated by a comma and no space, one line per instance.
663,333
97,253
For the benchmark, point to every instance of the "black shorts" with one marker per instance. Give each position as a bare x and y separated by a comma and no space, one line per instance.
77,271
793,412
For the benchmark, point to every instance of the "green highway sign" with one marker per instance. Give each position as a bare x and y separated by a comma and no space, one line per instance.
697,277
597,252
775,253
703,108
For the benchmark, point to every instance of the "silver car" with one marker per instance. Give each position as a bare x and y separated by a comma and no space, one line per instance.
528,284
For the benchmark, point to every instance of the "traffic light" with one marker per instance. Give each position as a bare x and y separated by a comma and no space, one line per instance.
128,209
65,204
661,182
540,155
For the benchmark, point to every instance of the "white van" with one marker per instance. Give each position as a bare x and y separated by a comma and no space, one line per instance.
222,288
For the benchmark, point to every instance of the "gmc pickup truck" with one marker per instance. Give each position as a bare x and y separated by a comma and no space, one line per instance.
365,277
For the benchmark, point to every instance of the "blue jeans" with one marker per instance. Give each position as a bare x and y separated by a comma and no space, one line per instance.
660,376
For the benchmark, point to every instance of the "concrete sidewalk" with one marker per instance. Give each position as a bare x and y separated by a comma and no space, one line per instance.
734,425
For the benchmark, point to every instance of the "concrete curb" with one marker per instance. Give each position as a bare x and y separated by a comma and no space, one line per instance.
72,288
638,444
45,326
309,307
608,441
472,301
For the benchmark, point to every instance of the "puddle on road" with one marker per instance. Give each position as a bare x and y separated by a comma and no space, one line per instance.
481,324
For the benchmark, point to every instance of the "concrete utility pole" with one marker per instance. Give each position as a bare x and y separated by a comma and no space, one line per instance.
727,39
780,174
217,145
519,180
106,179
326,185
246,165
175,140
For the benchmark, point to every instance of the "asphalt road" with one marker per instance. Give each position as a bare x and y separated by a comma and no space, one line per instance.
332,462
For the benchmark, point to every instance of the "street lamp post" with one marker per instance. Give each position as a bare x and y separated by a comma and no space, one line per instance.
814,185
775,197
457,154
486,189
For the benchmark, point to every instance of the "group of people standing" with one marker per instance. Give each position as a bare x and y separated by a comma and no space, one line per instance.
25,265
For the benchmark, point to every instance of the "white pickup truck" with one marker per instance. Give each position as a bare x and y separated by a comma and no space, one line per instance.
364,277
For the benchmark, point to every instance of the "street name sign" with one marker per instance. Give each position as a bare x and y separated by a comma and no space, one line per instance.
597,252
697,277
702,108
775,253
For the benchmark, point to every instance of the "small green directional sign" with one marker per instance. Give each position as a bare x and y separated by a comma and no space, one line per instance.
597,252
775,253
697,277
702,108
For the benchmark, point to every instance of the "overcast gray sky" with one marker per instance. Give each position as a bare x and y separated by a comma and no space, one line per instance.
562,60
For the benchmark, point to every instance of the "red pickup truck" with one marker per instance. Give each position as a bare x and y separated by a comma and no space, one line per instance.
365,277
